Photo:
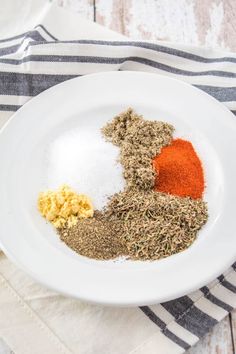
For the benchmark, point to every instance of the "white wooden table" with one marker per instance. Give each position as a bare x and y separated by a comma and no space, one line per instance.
198,22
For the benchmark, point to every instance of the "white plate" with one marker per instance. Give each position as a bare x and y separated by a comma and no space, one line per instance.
55,139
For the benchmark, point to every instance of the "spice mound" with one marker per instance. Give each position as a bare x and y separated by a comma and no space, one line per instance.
94,237
160,210
64,206
139,225
155,225
179,170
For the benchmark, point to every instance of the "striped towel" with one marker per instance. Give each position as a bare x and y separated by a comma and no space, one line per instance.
30,63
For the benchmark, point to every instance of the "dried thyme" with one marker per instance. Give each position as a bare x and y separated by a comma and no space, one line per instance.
156,225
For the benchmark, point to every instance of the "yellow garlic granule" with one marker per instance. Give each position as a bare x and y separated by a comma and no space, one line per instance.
64,206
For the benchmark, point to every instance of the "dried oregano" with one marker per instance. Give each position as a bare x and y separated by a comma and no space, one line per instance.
139,141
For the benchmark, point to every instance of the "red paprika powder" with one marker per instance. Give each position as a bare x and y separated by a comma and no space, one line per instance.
179,170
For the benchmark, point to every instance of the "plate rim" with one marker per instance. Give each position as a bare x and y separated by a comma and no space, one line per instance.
188,289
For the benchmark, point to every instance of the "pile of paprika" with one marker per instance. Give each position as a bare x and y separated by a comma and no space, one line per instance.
179,170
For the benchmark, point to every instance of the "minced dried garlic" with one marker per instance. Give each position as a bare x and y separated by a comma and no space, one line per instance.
64,206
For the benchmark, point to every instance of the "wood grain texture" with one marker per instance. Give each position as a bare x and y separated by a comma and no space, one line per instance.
215,21
150,19
209,23
228,28
84,8
218,341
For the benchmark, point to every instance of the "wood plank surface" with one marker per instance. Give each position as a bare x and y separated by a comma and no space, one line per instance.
84,8
198,22
218,341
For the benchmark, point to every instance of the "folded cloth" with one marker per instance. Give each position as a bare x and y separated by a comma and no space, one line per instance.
54,47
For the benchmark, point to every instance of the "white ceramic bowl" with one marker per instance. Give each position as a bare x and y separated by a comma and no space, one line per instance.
55,139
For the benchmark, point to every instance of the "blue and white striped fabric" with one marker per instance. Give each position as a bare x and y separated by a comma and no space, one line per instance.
36,60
